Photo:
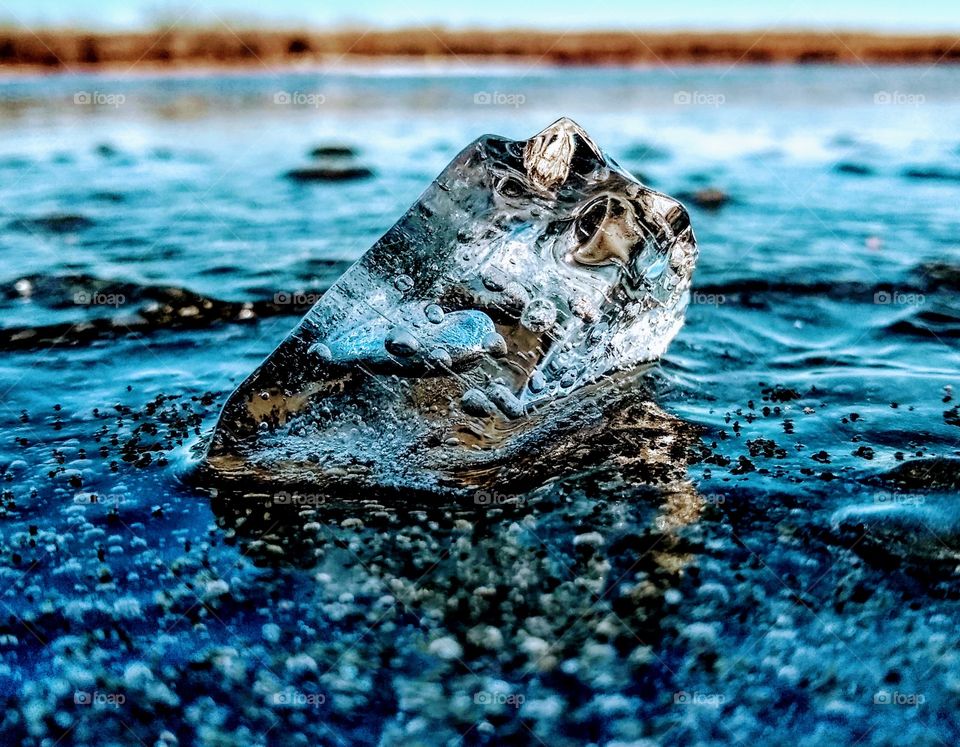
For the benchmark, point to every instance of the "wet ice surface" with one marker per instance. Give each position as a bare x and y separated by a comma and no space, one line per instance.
526,272
788,574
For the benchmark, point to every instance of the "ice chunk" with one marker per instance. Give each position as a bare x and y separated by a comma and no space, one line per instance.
527,271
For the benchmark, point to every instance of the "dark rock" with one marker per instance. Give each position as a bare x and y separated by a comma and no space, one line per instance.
903,529
56,223
329,173
709,198
744,466
952,416
333,151
106,150
854,169
934,473
932,174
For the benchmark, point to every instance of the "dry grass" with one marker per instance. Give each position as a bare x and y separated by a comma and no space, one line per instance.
67,49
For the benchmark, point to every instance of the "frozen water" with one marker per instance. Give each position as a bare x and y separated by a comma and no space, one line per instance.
526,272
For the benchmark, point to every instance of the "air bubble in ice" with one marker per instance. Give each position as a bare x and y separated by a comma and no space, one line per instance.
539,315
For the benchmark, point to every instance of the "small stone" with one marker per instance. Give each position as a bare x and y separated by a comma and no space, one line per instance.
300,664
672,596
333,151
699,633
328,173
535,647
789,674
486,636
709,198
446,648
475,402
216,588
588,539
641,656
137,676
271,632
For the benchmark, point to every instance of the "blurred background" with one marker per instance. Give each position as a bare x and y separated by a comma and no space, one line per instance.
885,15
180,182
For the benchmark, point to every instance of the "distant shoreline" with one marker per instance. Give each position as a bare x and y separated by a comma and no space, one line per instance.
184,49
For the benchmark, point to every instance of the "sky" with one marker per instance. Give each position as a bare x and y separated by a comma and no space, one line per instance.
881,15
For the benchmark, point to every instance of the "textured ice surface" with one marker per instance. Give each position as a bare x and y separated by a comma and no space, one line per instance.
529,270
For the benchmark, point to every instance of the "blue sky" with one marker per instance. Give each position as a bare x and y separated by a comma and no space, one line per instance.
885,15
